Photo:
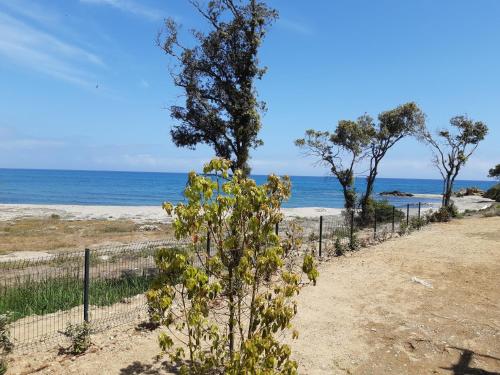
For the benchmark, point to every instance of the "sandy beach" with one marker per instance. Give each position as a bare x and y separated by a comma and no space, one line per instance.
144,214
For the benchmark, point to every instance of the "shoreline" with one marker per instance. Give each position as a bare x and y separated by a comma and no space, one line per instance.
145,214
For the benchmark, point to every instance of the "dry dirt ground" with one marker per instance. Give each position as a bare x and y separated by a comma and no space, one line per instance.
365,316
39,234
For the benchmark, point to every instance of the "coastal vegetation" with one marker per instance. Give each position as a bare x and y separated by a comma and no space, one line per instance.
354,141
217,77
340,151
228,309
453,147
494,191
494,172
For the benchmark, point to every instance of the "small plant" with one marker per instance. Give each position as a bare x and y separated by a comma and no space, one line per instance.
403,228
493,193
79,335
339,248
5,343
384,211
55,217
354,242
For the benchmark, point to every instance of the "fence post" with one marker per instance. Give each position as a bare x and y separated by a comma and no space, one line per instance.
320,233
375,225
407,215
352,230
419,215
86,283
393,215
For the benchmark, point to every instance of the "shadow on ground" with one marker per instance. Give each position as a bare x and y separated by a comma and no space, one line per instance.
136,368
463,366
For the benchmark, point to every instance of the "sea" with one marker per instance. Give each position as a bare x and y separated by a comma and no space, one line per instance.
150,189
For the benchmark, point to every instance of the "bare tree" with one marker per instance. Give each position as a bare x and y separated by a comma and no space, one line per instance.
452,148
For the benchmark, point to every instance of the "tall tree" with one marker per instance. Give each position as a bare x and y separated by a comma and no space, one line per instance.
340,151
495,172
393,125
218,77
452,149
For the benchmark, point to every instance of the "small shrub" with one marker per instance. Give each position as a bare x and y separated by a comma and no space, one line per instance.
493,193
5,343
79,335
403,228
384,210
354,244
55,217
339,248
441,216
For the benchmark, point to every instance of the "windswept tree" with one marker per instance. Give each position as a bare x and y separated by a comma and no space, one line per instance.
452,148
340,151
494,172
393,125
218,78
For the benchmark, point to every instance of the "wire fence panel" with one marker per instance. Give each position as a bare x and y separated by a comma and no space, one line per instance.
44,295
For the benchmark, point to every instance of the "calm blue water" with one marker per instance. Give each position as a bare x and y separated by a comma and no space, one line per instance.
149,189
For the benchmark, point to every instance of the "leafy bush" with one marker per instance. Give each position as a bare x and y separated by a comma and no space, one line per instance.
5,343
228,309
442,215
384,211
493,193
79,335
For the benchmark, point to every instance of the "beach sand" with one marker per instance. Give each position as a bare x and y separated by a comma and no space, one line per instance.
145,214
138,214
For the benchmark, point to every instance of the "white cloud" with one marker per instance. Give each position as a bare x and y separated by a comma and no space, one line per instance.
129,6
45,53
31,10
145,84
12,140
296,27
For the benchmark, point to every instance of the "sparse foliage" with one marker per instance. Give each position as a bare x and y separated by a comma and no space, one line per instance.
5,342
393,125
340,151
224,313
452,148
79,335
352,141
218,76
494,172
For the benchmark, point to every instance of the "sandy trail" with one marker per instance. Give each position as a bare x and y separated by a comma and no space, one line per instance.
365,316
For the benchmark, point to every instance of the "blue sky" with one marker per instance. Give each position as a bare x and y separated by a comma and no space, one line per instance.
83,85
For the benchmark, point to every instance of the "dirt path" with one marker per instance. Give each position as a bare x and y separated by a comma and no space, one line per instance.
365,316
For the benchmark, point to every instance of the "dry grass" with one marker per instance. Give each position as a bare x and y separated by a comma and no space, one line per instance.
54,234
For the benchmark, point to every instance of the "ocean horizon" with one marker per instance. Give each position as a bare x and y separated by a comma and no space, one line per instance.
121,188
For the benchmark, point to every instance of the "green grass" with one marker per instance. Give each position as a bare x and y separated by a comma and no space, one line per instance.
48,296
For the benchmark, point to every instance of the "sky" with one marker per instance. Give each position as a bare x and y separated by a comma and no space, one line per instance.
84,86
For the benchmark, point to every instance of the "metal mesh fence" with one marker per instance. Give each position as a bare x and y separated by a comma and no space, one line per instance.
106,286
44,295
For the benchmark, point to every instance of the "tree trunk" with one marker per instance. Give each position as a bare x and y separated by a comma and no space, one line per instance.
370,181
